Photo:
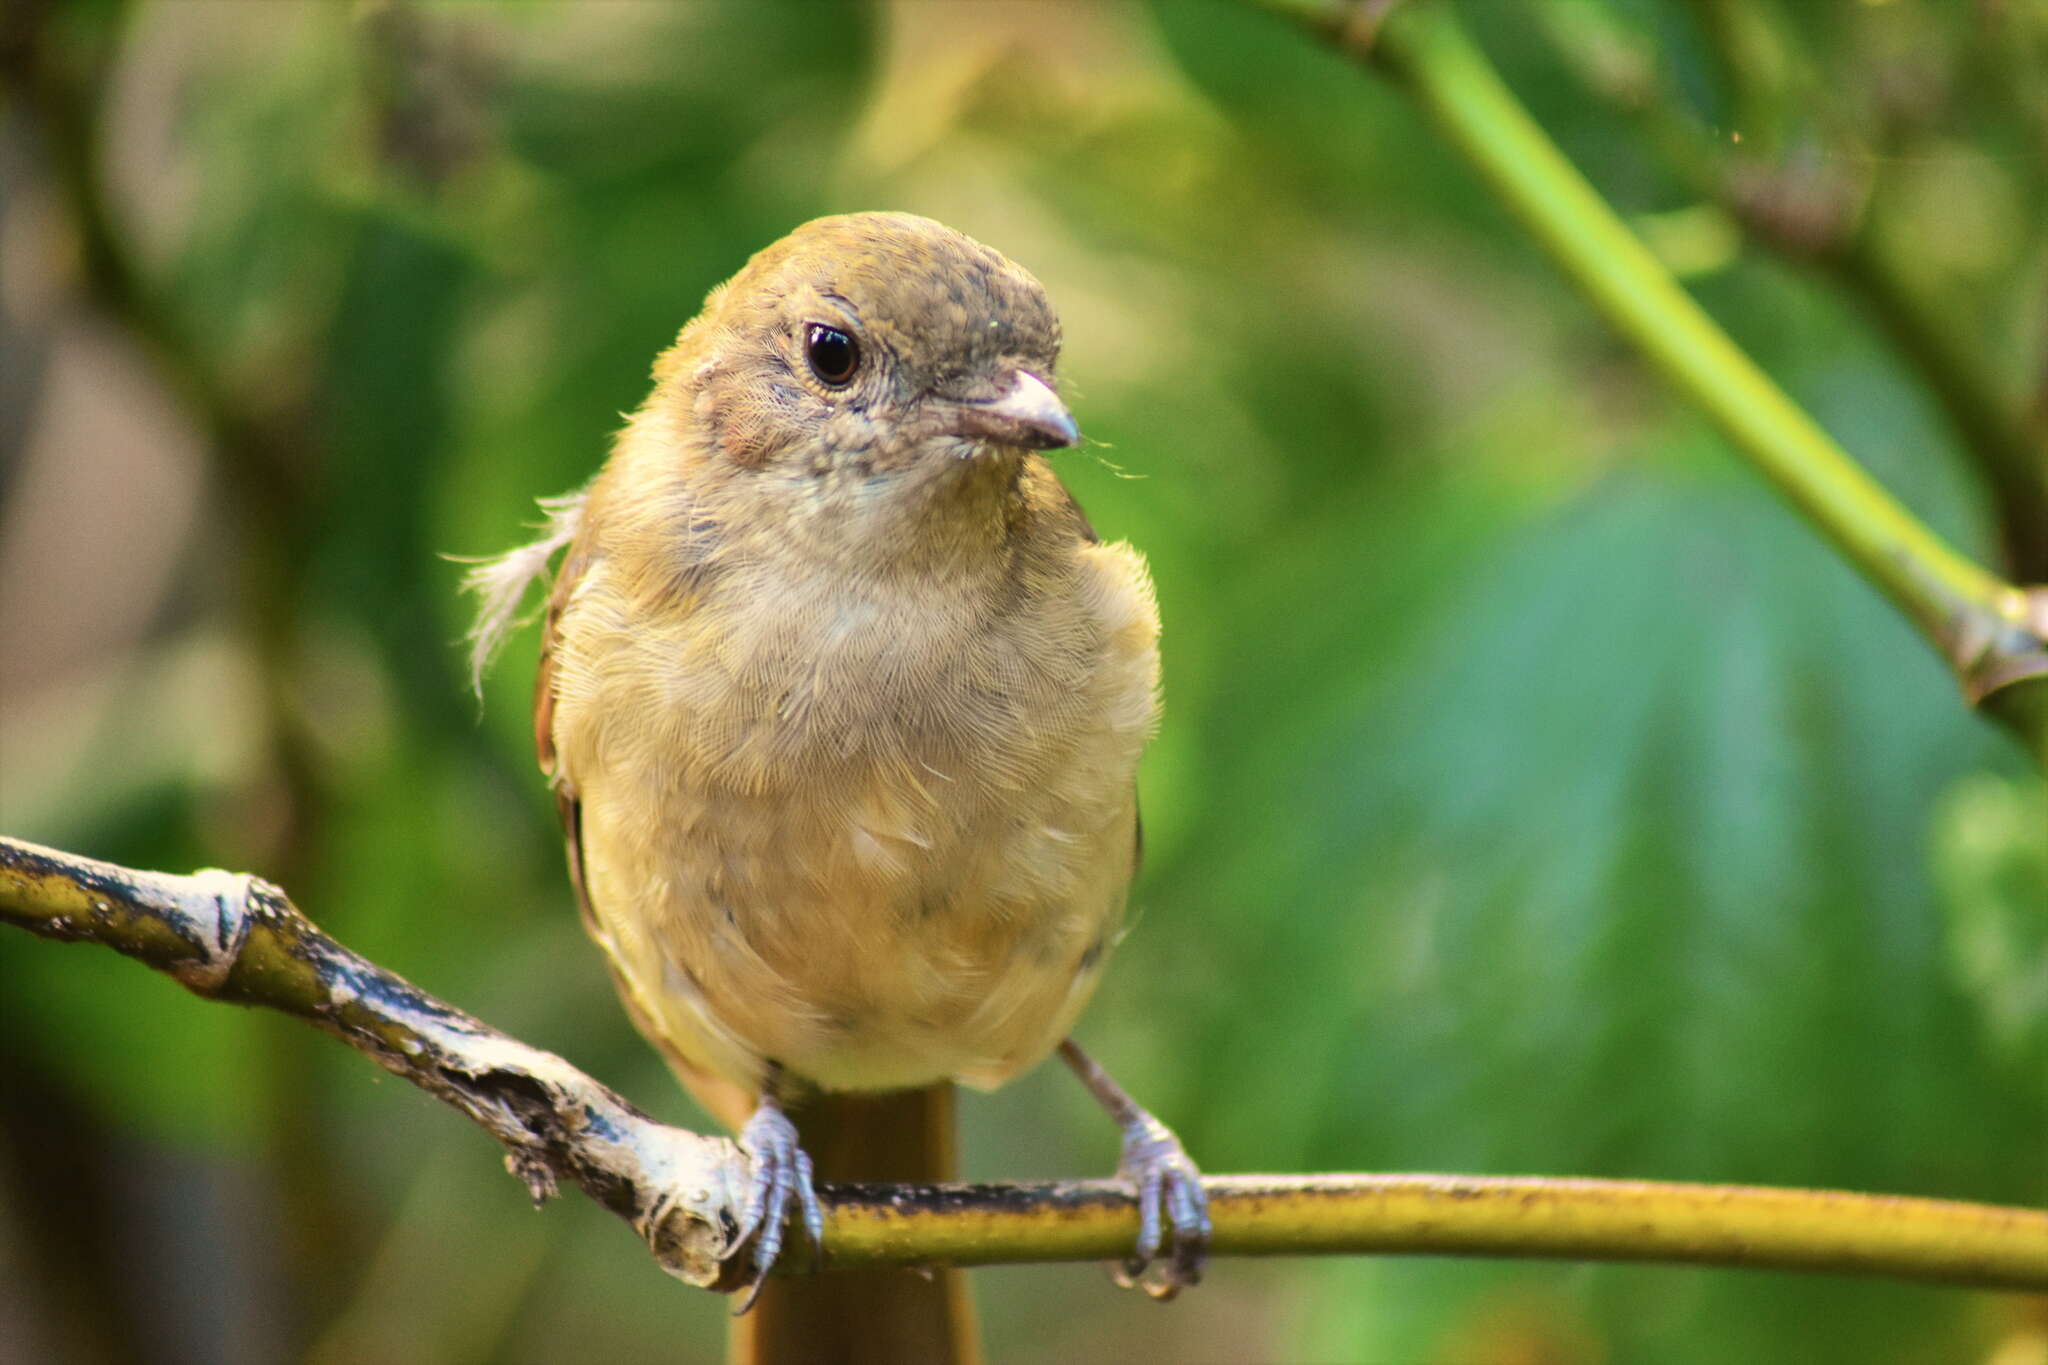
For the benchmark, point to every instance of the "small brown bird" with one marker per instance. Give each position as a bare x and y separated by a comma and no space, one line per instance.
842,699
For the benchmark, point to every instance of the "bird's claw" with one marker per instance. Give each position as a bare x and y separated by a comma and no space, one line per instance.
782,1173
1173,1212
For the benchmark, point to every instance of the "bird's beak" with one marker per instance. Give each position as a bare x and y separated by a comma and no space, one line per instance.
1027,414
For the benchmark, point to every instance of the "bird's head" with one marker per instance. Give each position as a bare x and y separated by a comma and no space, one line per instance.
872,356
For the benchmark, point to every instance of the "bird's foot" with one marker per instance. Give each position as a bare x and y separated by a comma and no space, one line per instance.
782,1174
1173,1210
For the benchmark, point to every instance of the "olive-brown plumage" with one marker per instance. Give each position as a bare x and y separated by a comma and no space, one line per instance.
841,697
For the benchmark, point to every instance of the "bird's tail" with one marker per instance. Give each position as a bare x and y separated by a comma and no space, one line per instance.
868,1317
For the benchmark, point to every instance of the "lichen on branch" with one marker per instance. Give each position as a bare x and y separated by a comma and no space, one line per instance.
238,939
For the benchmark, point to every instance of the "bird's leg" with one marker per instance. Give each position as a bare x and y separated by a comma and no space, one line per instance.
1172,1209
782,1172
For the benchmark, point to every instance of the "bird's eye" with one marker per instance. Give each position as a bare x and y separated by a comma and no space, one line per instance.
832,353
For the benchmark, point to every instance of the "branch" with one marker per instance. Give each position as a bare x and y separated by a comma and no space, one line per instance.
2010,452
1511,1216
1993,635
235,938
1821,220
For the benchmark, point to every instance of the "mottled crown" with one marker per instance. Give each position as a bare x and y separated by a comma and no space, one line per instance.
947,308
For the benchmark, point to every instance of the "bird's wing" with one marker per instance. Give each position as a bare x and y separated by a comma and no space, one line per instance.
725,1099
1086,530
567,805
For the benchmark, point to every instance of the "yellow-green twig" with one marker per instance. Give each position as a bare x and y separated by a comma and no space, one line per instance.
1595,1220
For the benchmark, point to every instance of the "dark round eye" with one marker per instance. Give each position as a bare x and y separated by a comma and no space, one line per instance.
832,353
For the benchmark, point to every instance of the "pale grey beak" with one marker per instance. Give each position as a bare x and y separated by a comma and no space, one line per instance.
1027,414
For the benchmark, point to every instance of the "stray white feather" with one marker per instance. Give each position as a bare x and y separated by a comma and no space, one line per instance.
501,581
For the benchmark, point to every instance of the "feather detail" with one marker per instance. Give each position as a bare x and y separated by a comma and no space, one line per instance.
501,582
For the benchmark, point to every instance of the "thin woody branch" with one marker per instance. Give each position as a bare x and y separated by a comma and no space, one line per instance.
236,938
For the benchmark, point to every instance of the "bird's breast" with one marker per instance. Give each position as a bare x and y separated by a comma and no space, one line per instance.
879,836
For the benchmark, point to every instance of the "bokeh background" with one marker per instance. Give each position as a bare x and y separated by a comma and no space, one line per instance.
1536,795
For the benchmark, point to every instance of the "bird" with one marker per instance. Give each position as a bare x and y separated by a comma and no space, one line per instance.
841,700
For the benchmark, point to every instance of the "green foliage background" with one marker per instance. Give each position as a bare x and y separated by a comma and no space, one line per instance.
1537,794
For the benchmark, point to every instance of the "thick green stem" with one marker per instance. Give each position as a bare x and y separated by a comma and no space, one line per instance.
1983,626
1846,242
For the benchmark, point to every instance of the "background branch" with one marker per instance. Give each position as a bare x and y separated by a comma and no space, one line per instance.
1812,212
238,939
1993,634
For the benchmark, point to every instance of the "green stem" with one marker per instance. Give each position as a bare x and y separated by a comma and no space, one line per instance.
1431,56
1982,625
1992,426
